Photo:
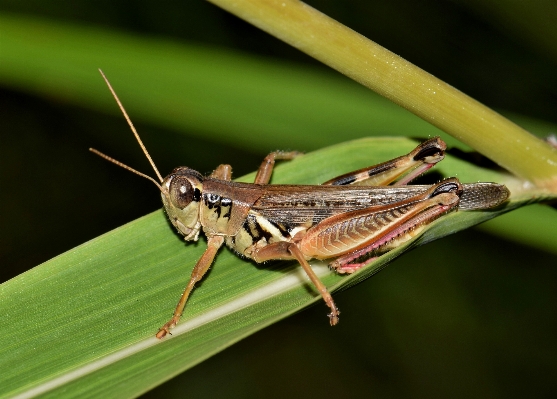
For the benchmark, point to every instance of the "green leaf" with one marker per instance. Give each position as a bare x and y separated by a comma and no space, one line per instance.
101,303
218,95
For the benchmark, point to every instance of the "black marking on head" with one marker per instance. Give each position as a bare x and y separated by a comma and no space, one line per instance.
196,194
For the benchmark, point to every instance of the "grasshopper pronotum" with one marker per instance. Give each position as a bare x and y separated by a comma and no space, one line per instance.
348,219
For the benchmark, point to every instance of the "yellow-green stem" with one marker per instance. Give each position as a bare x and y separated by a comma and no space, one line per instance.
405,84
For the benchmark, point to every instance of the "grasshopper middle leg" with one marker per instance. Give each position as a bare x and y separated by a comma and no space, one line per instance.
285,250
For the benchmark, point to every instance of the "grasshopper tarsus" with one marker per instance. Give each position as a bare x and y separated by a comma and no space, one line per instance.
350,219
164,330
334,317
162,333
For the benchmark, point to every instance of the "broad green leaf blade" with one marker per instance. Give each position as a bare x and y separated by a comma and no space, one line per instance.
82,324
219,95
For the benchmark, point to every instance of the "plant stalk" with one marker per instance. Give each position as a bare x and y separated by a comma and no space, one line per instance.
405,84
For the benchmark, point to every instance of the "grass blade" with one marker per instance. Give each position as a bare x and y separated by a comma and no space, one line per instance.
94,303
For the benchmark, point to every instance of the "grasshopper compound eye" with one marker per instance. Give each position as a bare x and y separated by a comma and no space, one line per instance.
181,192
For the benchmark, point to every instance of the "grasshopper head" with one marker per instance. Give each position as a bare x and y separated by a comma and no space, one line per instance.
181,190
181,194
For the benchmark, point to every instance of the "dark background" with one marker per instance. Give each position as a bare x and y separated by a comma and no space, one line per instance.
432,325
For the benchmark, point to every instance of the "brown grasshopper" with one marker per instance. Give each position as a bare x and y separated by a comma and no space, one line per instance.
348,219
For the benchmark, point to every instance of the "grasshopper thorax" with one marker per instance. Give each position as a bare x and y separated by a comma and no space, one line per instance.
181,193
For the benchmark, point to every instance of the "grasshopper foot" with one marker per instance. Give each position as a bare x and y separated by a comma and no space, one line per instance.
166,329
334,316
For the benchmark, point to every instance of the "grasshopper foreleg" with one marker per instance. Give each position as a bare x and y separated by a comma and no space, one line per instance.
201,267
223,172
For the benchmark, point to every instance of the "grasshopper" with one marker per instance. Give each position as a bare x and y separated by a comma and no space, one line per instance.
349,219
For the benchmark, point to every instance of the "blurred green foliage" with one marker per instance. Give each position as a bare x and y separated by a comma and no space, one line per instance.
471,315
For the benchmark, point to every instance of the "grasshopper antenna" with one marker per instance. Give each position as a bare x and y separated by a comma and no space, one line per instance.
134,133
122,165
